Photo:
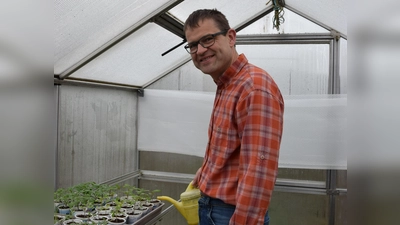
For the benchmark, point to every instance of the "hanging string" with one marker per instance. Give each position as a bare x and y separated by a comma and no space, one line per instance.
279,12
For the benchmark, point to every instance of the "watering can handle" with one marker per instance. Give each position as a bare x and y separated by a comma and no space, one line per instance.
190,186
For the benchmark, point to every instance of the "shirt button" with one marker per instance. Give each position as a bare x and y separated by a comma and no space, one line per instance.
262,157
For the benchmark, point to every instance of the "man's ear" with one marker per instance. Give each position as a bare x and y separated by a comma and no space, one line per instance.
232,37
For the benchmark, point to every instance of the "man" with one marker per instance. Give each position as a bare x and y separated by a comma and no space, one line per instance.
241,161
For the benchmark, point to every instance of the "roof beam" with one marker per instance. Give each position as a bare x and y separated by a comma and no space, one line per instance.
284,39
170,23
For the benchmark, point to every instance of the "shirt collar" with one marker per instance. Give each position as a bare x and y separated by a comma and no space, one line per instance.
231,72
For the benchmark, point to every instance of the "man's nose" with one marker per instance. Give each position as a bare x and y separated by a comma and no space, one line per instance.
200,49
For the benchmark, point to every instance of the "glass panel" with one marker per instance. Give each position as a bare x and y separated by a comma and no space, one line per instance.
137,59
293,24
83,26
343,66
297,69
236,11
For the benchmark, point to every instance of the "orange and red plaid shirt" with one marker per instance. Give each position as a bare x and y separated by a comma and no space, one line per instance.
241,161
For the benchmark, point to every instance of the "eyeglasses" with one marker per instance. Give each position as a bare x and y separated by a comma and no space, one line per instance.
206,42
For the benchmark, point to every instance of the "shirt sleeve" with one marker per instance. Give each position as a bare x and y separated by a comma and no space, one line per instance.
259,117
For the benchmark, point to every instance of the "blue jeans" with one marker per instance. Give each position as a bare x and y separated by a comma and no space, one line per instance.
213,211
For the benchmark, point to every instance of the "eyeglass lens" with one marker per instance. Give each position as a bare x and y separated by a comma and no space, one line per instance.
205,42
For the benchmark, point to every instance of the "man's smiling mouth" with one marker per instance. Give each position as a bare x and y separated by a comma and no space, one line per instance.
206,58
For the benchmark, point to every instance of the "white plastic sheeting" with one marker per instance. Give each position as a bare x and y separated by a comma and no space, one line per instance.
294,24
331,13
314,127
137,59
81,27
174,121
85,28
297,69
314,134
236,11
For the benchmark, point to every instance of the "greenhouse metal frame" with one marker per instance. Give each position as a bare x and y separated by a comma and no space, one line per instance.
77,81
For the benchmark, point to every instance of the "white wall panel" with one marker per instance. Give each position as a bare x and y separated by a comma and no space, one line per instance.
97,134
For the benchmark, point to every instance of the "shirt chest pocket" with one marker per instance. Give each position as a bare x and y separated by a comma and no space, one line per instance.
222,136
224,142
223,130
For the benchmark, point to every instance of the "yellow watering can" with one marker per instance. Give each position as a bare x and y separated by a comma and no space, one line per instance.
188,206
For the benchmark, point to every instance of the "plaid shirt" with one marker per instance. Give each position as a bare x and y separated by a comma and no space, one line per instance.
241,161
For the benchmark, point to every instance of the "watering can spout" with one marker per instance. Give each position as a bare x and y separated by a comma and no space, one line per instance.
188,206
177,204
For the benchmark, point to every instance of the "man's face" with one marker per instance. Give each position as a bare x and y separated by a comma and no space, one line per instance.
215,59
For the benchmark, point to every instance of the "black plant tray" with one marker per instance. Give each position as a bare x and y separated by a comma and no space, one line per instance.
155,212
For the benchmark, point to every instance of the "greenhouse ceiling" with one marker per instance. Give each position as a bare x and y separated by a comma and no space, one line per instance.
131,43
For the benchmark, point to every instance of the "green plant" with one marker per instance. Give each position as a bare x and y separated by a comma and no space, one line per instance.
128,189
64,196
100,220
143,194
278,12
116,211
74,223
104,222
86,196
58,218
153,193
103,193
58,195
113,190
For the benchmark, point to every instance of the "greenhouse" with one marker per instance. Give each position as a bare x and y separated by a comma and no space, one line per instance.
132,108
